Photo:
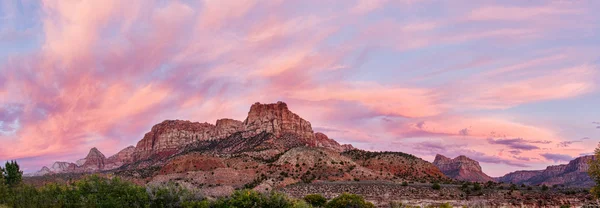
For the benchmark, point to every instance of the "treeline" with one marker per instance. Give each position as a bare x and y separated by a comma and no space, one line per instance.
96,191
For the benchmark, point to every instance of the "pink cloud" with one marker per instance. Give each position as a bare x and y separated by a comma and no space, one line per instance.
408,102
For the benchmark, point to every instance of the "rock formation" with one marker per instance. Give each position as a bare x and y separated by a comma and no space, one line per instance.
461,168
168,137
94,161
519,176
572,174
321,140
122,157
277,119
60,167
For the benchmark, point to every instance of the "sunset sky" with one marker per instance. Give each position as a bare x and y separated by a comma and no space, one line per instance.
512,84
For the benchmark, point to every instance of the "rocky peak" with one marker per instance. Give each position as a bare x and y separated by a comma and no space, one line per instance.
59,167
580,164
95,153
572,174
94,161
125,155
321,140
461,168
277,119
441,158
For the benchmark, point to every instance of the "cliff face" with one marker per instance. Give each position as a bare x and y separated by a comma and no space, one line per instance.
94,161
169,136
277,119
122,157
572,174
461,168
519,176
268,126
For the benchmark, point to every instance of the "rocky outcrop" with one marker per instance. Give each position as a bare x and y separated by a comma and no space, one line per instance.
94,161
461,168
321,140
168,137
277,119
519,176
44,171
397,164
122,157
268,130
61,167
572,174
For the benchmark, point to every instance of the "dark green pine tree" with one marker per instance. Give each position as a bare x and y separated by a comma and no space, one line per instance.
12,173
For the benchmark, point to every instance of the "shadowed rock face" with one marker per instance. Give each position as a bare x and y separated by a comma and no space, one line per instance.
461,168
572,174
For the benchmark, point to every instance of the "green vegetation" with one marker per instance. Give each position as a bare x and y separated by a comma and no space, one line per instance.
349,200
594,172
11,173
544,188
476,187
96,191
436,186
316,200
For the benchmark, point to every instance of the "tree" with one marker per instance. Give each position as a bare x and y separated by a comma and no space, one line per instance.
12,173
594,172
436,186
316,200
476,187
544,188
347,200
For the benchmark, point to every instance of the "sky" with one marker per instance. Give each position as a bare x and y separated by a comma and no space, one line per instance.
512,84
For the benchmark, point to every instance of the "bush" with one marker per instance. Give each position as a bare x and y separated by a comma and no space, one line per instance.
349,201
404,183
436,186
300,204
476,187
544,188
196,204
446,205
91,191
316,200
169,195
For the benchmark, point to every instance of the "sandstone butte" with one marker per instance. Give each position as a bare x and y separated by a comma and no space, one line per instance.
171,136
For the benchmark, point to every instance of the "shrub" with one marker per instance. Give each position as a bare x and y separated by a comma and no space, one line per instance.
544,188
446,205
300,204
476,187
349,201
196,204
404,183
436,186
170,195
316,200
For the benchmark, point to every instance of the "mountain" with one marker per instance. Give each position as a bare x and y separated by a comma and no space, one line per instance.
572,174
272,147
397,164
122,157
167,138
94,161
461,168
